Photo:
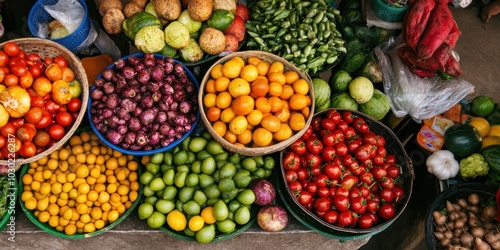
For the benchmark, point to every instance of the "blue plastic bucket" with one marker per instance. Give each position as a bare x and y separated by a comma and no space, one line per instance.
73,41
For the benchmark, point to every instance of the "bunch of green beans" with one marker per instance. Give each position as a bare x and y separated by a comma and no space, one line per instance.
303,32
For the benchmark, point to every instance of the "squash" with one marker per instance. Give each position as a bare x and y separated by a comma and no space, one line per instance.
137,21
491,156
462,140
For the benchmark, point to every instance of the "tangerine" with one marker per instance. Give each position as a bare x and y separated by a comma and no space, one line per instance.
297,121
231,69
238,124
213,114
249,73
297,102
259,87
283,133
223,100
275,89
263,105
238,87
255,117
243,105
301,87
271,123
291,76
262,137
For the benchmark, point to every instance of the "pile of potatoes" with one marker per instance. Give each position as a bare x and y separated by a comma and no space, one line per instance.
468,224
114,12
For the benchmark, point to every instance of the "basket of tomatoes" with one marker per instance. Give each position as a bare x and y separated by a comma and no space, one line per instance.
347,175
43,97
255,103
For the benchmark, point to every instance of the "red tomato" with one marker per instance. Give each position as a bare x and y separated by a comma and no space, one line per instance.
28,149
327,124
19,70
18,122
298,147
37,101
342,191
354,192
393,171
382,151
322,204
312,188
362,153
378,173
316,123
365,221
331,216
45,121
64,118
34,115
291,161
302,174
378,159
341,203
323,192
295,187
387,182
307,134
342,126
390,159
334,115
8,130
398,193
350,133
358,205
387,211
35,70
367,178
3,141
314,145
26,132
290,176
304,198
372,206
61,61
4,58
340,149
348,160
41,139
322,180
344,219
52,106
386,195
311,160
328,153
56,131
353,145
48,60
348,116
349,181
11,49
33,57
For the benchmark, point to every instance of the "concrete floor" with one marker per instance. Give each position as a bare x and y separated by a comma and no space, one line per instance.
479,51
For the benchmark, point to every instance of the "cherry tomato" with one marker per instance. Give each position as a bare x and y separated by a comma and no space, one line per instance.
349,181
3,141
342,126
342,191
316,123
19,70
387,211
41,139
34,115
298,147
290,176
26,132
372,206
354,192
18,122
61,61
291,161
365,221
11,80
333,115
45,121
327,124
295,187
387,182
367,177
356,169
302,174
353,145
323,192
305,197
48,60
322,204
348,160
386,195
314,145
369,138
311,160
315,170
378,173
28,149
328,153
331,216
382,151
11,49
398,193
364,190
33,57
341,149
64,118
311,187
51,106
348,116
35,70
393,171
4,58
345,218
8,130
390,159
362,153
358,205
307,134
328,138
378,159
350,133
322,180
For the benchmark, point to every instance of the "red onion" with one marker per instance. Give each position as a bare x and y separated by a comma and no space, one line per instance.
179,70
141,139
139,66
272,218
96,94
129,138
157,73
137,111
265,193
112,101
99,82
147,117
143,76
147,102
114,137
108,88
185,107
108,74
134,124
132,60
128,105
128,93
154,138
106,113
165,129
121,83
128,72
119,64
161,117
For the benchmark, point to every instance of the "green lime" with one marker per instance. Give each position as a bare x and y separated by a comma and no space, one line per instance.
226,226
220,210
205,180
221,157
153,168
164,167
191,157
180,158
164,206
189,232
192,180
249,164
145,210
205,134
197,144
157,184
184,168
269,163
212,201
186,193
482,105
146,178
216,176
221,163
235,158
214,147
230,216
178,205
228,196
227,171
206,234
208,166
242,179
246,197
156,220
168,176
200,197
202,155
180,179
226,185
242,215
157,158
169,193
196,167
147,191
233,205
191,207
168,158
212,191
268,173
259,173
259,160
185,143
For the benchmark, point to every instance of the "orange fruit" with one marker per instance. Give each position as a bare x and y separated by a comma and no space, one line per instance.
276,77
255,117
238,87
53,72
227,114
253,60
271,123
67,74
263,105
220,128
209,100
262,137
221,84
297,121
239,60
243,105
259,87
245,137
286,92
263,68
216,71
210,86
283,115
297,102
239,144
291,76
305,111
238,124
283,133
249,73
213,114
230,137
223,100
275,89
276,67
301,87
231,69
276,104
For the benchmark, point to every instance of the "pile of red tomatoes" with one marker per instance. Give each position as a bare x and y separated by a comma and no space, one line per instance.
342,172
39,101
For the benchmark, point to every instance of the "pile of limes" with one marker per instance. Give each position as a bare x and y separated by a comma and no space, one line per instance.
255,103
199,189
81,187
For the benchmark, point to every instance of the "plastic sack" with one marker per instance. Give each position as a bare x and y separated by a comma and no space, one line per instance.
420,98
70,13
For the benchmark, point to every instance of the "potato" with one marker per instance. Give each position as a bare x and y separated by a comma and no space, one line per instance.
229,5
130,9
212,41
140,3
112,21
200,10
168,9
106,5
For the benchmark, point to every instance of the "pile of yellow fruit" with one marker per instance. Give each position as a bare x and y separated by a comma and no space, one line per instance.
82,187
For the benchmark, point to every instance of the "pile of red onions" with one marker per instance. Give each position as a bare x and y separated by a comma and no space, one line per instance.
144,103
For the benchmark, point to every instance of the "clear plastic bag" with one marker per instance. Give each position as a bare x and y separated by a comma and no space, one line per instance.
420,98
70,13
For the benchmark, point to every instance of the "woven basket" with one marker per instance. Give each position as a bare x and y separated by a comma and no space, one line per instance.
255,151
47,48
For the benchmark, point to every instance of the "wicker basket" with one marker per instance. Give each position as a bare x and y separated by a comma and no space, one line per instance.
47,48
255,151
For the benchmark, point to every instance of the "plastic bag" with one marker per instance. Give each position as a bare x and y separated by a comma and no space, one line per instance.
414,96
70,13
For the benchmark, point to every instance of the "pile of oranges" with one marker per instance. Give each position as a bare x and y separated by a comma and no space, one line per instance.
81,187
255,103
